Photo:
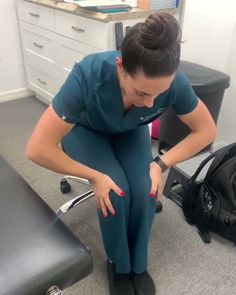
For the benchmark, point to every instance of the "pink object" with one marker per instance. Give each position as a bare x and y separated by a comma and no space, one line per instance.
155,129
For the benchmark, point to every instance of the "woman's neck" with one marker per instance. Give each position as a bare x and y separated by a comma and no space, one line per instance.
127,104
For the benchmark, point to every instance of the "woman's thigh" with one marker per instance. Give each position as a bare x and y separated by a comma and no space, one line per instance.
133,151
94,149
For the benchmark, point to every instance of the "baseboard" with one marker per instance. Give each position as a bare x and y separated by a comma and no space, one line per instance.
15,94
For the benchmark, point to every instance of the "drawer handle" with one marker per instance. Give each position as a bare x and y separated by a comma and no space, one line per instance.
42,82
78,29
34,14
38,45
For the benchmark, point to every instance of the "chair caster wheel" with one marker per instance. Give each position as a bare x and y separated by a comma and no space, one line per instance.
65,187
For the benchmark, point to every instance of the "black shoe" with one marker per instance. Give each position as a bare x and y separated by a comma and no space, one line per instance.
143,284
119,284
159,207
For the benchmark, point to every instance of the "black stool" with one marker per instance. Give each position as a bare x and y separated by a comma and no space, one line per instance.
179,176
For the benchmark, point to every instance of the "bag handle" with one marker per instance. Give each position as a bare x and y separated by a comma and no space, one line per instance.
219,154
201,166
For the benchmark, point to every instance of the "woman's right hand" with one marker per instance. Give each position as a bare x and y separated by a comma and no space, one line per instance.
102,184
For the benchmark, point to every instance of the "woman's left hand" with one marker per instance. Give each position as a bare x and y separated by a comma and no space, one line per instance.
156,180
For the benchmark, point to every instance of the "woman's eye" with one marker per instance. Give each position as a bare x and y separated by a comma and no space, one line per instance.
140,94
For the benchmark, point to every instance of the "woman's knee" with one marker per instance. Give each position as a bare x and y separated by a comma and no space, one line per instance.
142,188
141,198
120,202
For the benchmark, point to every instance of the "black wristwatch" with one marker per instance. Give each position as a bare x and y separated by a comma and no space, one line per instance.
162,164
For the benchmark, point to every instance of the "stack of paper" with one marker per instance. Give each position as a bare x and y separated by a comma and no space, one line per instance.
106,6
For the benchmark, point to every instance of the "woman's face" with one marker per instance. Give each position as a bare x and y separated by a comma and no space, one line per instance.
140,90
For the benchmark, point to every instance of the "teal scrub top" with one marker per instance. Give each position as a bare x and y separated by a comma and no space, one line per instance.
91,96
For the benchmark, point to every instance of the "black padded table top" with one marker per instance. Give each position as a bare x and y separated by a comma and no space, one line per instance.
37,250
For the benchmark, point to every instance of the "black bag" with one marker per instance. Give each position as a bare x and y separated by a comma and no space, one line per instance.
211,204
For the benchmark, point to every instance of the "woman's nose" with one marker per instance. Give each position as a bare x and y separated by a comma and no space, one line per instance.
149,102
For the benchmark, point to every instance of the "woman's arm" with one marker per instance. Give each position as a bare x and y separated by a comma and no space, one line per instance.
43,147
203,133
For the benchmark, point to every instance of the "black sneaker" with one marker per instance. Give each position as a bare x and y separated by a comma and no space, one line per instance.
119,284
143,284
159,207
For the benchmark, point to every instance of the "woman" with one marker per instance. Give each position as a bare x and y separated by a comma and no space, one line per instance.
100,115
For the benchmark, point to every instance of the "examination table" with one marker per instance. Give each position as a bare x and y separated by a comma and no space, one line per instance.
39,255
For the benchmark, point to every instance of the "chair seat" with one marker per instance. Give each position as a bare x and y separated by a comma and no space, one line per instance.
37,250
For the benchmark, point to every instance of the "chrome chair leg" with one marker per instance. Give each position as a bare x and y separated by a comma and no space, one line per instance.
66,188
77,179
74,202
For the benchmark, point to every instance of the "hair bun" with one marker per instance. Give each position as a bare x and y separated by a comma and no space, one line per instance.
159,31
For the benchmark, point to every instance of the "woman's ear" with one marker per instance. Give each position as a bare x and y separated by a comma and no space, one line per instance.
119,64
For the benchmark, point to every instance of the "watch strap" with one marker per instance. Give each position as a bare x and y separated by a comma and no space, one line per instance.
161,163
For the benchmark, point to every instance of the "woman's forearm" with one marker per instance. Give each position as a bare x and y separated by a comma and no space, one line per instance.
55,159
188,147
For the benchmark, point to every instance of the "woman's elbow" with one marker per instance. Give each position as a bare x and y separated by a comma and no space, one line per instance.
212,132
32,151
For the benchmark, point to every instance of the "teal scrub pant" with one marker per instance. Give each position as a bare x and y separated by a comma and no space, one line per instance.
125,157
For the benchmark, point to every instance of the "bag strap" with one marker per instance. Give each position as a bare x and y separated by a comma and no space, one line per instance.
201,166
218,155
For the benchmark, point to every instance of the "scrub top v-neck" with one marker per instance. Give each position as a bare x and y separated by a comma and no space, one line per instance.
91,96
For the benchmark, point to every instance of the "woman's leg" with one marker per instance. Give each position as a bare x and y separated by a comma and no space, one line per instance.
133,150
94,149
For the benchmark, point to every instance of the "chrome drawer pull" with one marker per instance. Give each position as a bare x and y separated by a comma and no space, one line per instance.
38,45
78,29
42,82
34,14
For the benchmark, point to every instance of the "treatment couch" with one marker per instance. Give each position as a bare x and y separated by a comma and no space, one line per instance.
39,255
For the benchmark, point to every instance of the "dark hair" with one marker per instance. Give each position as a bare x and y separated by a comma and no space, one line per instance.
153,46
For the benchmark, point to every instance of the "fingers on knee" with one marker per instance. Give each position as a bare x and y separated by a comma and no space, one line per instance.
143,197
120,200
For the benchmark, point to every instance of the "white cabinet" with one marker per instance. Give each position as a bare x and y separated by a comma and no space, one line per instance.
54,40
70,52
37,15
85,30
39,44
41,80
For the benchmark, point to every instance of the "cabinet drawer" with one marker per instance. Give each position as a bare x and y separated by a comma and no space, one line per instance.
41,80
82,29
73,51
38,15
39,44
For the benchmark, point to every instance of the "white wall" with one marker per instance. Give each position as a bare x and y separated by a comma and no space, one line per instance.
209,29
12,76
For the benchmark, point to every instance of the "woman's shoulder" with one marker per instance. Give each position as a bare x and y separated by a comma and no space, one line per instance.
180,79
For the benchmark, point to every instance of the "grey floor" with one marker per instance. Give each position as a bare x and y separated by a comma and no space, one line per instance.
180,262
